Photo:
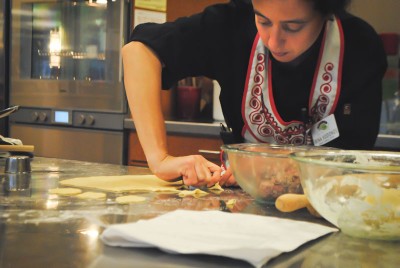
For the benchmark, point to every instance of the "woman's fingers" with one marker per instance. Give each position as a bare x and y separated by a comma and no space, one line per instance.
197,171
194,169
215,175
202,171
190,177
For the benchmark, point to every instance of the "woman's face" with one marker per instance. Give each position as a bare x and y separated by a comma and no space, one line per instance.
287,27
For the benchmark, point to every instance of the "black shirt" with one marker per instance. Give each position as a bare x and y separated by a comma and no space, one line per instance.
217,43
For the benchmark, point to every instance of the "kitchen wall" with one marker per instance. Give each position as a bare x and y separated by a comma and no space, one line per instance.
383,15
179,8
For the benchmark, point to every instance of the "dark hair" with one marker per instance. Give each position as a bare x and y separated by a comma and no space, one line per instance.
329,7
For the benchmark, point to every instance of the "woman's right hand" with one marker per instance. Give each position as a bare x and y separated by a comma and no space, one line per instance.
195,170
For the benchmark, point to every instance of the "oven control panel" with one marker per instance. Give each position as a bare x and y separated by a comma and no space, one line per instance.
61,117
69,118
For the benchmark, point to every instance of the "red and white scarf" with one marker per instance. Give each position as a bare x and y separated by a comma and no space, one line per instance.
262,122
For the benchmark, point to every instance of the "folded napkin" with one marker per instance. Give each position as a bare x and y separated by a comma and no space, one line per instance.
255,239
9,141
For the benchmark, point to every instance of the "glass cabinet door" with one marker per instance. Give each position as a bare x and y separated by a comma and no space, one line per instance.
69,41
390,117
70,48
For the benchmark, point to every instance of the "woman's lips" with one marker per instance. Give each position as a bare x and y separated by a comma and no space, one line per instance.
279,54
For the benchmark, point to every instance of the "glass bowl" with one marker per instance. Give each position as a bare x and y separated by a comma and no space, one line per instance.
357,191
265,171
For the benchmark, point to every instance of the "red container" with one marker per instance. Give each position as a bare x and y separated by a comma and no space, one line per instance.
390,43
188,102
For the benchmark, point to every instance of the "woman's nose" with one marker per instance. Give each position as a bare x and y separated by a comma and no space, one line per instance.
275,39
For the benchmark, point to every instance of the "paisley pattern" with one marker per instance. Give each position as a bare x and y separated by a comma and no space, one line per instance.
262,121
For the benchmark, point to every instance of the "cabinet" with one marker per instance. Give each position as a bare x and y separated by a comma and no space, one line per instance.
180,8
178,145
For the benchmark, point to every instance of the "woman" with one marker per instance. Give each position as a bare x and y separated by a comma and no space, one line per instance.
283,65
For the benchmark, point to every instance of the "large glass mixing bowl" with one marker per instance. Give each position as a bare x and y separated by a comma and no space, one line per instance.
358,191
265,171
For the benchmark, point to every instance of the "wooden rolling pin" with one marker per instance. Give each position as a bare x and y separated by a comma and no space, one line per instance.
17,148
293,202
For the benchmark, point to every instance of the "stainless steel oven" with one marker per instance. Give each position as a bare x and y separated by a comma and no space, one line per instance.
66,76
4,44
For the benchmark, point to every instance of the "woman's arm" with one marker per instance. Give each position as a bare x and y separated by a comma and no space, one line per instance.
142,81
142,78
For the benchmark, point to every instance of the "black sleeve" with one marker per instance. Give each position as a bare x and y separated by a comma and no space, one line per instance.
364,67
191,46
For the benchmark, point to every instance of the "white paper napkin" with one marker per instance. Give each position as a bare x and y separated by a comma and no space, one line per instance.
255,239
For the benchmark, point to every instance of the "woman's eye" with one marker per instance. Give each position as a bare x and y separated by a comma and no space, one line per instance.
263,21
292,28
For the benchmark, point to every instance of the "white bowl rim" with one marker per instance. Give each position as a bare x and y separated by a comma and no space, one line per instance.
241,147
304,157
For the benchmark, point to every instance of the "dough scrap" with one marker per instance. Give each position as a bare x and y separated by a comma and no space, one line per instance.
230,203
130,199
91,195
195,193
216,188
65,191
124,183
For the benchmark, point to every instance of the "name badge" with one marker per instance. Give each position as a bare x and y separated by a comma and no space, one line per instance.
324,130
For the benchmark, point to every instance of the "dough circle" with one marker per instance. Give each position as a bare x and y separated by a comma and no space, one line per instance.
91,195
65,191
124,183
129,199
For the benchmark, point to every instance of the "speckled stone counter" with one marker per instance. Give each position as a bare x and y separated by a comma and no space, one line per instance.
39,230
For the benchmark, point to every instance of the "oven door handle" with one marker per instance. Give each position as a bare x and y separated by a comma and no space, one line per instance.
8,111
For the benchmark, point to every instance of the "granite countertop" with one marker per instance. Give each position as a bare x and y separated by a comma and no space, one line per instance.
40,230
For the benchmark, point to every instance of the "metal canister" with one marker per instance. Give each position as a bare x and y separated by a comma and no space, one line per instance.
18,174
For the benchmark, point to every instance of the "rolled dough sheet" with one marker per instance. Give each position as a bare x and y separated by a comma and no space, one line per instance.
124,183
91,195
130,199
65,191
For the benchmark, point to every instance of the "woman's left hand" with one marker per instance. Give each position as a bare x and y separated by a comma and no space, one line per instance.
227,178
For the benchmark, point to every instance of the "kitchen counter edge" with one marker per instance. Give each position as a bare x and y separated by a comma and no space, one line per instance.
384,141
